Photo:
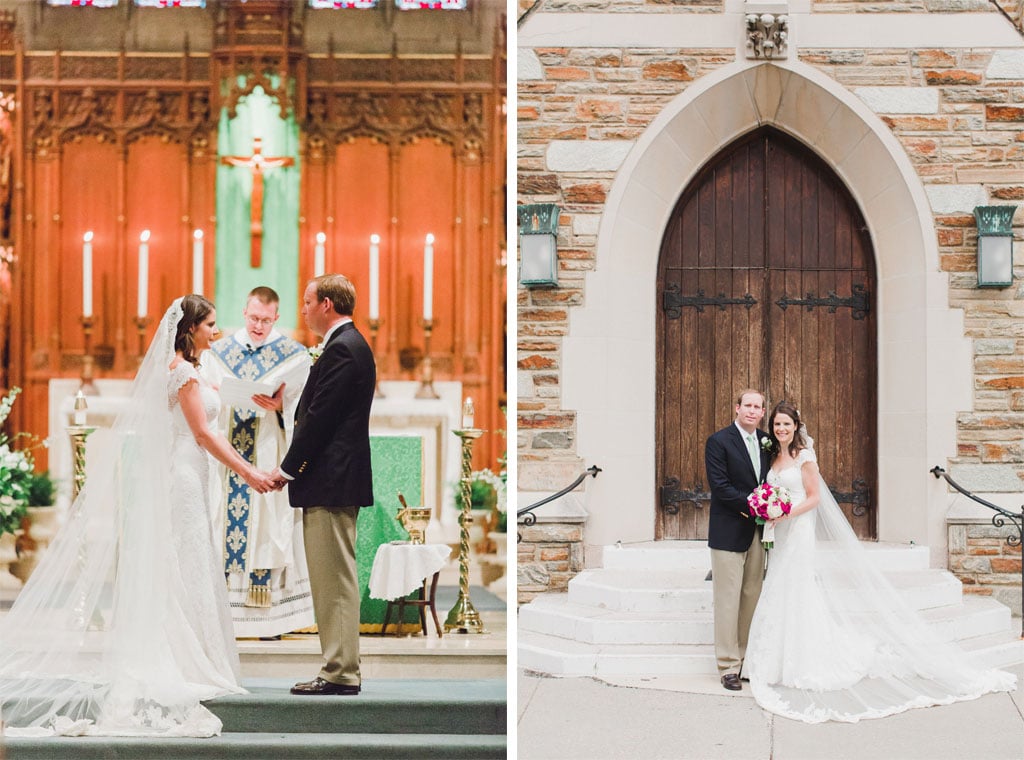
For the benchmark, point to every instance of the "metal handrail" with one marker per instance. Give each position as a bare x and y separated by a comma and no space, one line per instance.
999,521
531,519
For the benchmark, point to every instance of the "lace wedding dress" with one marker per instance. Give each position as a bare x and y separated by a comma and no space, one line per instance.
832,640
124,625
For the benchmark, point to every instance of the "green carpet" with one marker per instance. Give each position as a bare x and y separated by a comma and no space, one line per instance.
481,598
419,719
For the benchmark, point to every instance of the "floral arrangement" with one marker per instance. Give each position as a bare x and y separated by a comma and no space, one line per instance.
16,473
768,444
768,503
487,491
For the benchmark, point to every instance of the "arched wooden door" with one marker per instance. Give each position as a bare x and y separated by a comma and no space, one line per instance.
766,279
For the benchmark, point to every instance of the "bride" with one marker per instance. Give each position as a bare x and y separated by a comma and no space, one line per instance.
831,639
124,626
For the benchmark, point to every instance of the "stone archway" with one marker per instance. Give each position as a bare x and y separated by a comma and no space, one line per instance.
616,417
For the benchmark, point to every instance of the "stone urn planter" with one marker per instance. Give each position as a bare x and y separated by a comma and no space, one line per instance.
8,554
500,541
40,527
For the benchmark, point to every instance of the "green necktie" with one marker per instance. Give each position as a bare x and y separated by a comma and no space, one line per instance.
755,457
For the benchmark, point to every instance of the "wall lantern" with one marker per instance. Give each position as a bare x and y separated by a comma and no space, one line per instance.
538,245
995,245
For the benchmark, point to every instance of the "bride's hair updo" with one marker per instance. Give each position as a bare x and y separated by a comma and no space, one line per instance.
195,309
789,409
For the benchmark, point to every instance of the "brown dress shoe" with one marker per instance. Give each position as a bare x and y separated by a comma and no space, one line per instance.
320,686
731,681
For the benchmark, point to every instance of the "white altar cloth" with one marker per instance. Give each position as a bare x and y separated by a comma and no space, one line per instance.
399,569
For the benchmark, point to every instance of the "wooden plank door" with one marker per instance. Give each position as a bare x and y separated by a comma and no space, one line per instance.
765,280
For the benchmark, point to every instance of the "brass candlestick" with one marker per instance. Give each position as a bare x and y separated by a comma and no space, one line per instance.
140,324
374,327
463,618
426,389
88,387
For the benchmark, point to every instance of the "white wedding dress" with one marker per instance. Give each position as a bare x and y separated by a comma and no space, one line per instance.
832,640
124,625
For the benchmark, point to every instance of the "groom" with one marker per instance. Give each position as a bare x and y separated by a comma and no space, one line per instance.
736,463
327,469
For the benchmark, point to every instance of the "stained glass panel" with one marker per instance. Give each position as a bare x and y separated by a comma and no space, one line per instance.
171,3
342,4
431,5
93,3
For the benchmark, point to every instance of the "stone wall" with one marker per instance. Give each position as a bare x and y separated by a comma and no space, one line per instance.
599,94
960,116
548,557
958,113
984,562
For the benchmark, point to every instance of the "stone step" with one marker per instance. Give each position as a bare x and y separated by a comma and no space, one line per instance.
557,615
456,655
634,590
560,638
996,650
390,705
264,746
974,616
631,590
432,718
557,656
695,555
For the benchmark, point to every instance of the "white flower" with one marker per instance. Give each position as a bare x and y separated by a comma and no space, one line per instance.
496,483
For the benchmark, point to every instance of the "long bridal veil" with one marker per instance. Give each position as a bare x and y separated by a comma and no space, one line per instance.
92,643
846,645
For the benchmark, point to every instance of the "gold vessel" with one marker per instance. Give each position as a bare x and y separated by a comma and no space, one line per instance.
414,520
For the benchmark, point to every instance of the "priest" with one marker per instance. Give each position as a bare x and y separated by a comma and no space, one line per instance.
261,535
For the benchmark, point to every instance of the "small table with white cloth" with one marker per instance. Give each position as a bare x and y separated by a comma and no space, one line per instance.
399,568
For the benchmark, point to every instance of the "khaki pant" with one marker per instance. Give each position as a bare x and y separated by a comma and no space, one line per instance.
330,539
736,579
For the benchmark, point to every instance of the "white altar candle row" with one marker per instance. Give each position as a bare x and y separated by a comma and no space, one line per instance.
428,272
143,289
197,271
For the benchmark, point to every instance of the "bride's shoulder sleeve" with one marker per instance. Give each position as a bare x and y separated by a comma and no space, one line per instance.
806,455
180,376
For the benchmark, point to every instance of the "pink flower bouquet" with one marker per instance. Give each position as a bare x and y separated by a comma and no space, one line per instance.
768,503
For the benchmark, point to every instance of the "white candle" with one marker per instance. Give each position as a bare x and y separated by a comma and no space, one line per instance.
197,262
80,408
318,254
374,276
87,274
144,273
428,278
467,413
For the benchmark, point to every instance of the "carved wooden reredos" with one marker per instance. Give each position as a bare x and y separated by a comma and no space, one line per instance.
403,129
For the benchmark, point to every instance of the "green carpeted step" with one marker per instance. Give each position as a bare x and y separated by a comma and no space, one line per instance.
263,746
386,706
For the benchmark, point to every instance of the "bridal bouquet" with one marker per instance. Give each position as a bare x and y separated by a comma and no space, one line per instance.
768,503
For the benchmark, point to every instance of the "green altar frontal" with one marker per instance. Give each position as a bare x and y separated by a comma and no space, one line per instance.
397,462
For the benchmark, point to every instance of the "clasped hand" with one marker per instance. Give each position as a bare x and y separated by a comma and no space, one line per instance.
262,482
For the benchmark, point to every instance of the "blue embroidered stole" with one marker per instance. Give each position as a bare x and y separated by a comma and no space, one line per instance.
243,430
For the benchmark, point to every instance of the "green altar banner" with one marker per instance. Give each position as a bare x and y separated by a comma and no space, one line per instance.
257,116
397,462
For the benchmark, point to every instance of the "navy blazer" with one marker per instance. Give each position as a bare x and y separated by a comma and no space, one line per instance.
731,479
330,452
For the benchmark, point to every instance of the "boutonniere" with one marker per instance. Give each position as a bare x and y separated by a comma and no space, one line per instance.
766,444
314,353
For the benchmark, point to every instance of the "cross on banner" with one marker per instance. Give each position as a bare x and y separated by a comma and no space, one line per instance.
258,163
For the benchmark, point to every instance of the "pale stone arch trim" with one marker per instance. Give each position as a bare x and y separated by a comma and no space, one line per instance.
609,353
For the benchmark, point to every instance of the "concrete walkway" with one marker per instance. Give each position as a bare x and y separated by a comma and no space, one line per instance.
694,719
